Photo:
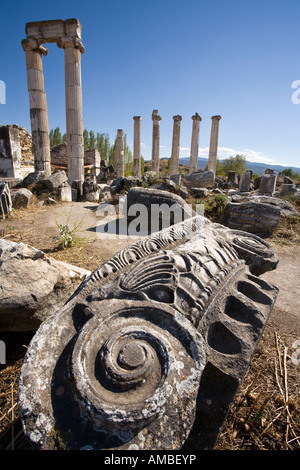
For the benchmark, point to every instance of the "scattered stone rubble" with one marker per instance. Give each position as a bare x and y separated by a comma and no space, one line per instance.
257,211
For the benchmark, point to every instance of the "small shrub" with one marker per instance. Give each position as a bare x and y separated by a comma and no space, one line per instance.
214,207
68,236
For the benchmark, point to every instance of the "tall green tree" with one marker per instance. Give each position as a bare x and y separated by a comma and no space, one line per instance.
92,140
142,165
55,137
237,164
112,153
128,159
85,139
103,145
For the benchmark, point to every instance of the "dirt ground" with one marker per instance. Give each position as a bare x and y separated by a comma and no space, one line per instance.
265,414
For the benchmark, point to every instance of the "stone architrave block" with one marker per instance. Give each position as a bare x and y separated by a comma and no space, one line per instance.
55,180
199,179
154,199
253,217
150,350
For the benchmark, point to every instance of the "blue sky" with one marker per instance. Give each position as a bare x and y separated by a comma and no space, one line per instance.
236,58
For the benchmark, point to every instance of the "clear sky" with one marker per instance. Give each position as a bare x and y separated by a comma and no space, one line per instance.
236,58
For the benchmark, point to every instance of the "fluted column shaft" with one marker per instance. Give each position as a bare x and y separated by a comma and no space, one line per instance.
175,145
137,146
120,153
213,147
38,105
74,121
155,141
195,142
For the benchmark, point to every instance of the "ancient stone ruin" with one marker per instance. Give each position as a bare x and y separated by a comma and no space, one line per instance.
67,35
16,159
5,200
150,350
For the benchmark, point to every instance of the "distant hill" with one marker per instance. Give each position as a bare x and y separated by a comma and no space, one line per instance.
256,168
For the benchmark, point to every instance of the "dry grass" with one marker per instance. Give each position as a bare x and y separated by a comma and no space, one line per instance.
265,413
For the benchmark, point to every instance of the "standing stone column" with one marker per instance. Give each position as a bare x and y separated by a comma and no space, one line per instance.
213,147
38,105
195,142
137,147
74,124
120,153
175,145
155,141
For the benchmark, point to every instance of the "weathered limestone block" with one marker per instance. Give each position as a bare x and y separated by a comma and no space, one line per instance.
245,181
55,180
21,198
268,184
285,207
32,286
150,350
232,177
287,189
199,179
253,217
176,179
121,185
256,182
158,203
65,192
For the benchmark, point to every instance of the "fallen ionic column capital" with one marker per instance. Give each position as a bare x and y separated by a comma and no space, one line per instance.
150,350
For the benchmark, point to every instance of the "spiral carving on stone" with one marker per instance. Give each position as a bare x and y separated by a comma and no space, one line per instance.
132,365
256,251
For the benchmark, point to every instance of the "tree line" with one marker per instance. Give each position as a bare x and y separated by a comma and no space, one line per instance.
101,142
